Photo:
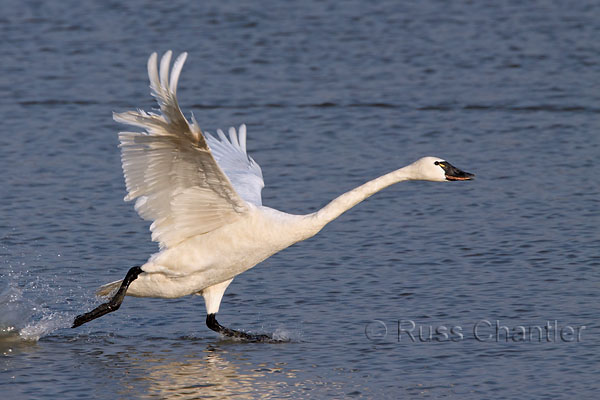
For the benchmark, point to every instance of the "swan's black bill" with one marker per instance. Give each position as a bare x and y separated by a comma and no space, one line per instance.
453,173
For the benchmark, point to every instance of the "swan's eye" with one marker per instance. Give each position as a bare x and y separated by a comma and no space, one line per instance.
440,164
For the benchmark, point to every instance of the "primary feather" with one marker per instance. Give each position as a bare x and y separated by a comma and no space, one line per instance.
171,171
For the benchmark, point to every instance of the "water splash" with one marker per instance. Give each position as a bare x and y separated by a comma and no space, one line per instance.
48,324
15,311
286,335
25,312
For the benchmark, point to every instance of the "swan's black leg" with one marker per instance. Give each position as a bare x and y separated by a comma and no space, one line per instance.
211,322
113,304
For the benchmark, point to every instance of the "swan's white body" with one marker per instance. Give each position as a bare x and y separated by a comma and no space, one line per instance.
203,195
203,261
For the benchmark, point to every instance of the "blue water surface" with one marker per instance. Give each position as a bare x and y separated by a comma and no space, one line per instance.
402,296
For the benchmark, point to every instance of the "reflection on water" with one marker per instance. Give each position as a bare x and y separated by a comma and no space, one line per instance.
189,368
165,368
211,374
214,371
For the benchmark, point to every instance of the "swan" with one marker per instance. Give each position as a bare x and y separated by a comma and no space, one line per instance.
203,194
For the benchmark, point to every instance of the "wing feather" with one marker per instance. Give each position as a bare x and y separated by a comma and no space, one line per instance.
170,170
244,173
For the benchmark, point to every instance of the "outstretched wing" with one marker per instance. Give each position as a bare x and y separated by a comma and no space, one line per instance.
243,172
169,168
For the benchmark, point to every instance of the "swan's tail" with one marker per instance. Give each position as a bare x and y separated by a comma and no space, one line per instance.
108,289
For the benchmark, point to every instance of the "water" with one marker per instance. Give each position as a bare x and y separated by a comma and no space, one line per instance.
333,95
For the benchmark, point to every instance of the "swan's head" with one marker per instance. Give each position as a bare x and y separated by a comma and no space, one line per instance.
438,170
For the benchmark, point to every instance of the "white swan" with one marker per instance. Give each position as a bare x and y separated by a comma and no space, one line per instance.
203,195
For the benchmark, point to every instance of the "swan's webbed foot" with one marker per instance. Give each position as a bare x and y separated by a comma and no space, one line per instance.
212,323
113,304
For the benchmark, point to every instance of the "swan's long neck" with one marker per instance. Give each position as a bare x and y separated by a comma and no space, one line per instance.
349,199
